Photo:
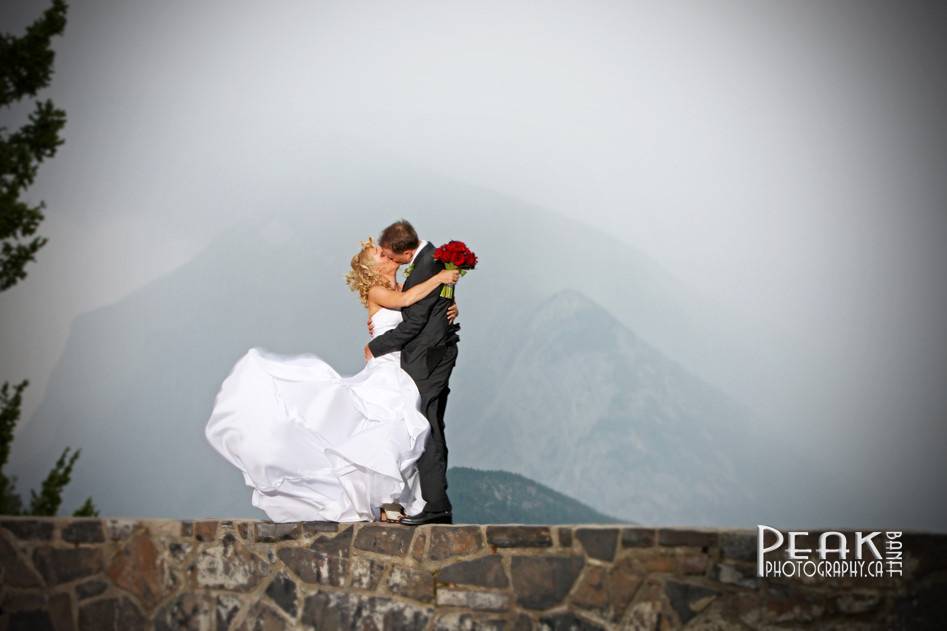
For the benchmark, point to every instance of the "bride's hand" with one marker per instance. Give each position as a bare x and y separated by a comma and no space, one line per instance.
452,313
448,276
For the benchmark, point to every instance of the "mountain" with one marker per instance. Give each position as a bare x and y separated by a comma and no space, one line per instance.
137,379
584,405
501,497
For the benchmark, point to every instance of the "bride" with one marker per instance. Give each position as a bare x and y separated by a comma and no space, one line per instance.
316,446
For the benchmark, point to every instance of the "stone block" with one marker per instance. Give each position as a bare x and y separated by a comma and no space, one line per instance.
60,612
83,531
140,569
62,565
268,532
638,537
338,611
693,563
466,621
484,572
228,565
607,590
541,582
111,614
687,599
923,554
392,540
319,527
684,537
244,529
188,612
119,529
923,609
567,621
598,543
205,530
262,617
29,529
523,622
519,536
282,591
859,601
366,573
90,588
417,584
15,570
481,601
163,527
785,606
417,546
16,600
738,546
737,573
325,561
450,541
226,608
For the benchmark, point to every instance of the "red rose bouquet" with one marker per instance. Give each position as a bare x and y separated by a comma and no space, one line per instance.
455,255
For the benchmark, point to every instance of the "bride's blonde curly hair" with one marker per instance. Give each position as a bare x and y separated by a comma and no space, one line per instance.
363,275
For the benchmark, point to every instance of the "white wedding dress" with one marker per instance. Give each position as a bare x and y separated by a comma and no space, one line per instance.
316,446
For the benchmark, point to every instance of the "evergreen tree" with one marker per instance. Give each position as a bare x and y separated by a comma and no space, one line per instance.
10,503
26,66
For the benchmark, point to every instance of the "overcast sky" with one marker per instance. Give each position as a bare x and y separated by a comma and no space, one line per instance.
786,158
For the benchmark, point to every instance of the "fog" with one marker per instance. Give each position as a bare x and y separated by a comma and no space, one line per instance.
785,160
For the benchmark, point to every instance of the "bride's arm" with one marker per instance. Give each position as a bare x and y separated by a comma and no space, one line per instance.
452,312
398,299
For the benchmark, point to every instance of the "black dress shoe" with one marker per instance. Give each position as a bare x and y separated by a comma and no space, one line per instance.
424,517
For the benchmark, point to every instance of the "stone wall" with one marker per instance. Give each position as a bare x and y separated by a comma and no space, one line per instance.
127,574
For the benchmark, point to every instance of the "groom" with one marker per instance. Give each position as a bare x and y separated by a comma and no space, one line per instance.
428,345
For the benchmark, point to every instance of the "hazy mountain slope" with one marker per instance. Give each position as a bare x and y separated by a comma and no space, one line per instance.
501,497
590,409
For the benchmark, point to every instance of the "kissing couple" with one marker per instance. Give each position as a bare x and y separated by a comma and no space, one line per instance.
317,446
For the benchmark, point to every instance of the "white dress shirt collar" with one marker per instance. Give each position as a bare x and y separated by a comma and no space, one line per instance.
418,251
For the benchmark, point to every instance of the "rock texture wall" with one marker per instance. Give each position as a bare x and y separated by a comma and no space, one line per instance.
128,574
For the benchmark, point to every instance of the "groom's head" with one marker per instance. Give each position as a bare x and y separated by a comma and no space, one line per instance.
399,241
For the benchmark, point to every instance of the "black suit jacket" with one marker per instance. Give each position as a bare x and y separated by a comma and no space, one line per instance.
424,334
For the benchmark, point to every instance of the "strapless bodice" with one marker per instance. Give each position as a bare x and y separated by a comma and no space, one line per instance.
385,320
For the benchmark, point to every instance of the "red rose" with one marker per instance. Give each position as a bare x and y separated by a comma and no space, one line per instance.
456,253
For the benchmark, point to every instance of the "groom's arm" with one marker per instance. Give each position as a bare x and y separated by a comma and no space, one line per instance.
414,318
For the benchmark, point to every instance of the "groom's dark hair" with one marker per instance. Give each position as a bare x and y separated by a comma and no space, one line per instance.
399,236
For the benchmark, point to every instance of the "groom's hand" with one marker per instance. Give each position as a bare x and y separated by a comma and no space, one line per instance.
371,327
368,354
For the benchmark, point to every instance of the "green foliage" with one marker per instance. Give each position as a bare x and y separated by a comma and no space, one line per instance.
10,503
47,501
26,66
87,509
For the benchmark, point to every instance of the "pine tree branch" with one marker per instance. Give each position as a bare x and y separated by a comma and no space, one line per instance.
87,509
49,499
26,62
10,502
